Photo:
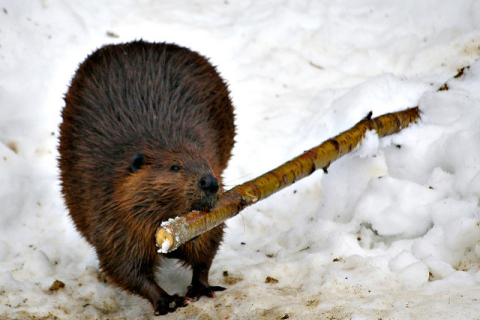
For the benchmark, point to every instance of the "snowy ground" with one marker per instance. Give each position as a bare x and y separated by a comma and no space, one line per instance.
391,232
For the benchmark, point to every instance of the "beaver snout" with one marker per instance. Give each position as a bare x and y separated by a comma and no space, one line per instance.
208,185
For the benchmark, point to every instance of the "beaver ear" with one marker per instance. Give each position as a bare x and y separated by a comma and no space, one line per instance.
138,161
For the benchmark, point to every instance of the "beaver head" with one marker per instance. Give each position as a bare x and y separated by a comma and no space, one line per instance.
168,183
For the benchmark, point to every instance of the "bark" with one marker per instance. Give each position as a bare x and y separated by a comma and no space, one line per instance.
176,232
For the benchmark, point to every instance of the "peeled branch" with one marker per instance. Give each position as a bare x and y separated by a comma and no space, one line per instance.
177,231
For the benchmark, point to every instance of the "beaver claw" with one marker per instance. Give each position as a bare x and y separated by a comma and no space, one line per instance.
170,304
196,291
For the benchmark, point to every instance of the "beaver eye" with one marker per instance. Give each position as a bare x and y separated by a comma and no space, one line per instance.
137,162
175,168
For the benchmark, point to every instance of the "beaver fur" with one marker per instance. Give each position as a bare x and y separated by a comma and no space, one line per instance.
147,131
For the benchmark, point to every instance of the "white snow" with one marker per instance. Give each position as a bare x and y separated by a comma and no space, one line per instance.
165,246
391,232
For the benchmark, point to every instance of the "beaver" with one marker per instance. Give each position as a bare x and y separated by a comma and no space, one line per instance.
147,131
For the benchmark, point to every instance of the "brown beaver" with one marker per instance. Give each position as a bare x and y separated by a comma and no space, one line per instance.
147,131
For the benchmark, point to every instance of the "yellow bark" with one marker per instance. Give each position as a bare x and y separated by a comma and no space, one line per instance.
176,232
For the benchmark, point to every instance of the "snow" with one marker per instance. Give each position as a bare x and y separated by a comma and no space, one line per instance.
391,232
165,246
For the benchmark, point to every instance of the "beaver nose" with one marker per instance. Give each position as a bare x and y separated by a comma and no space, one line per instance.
208,183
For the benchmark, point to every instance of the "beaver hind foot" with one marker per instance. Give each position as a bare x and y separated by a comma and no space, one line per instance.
170,304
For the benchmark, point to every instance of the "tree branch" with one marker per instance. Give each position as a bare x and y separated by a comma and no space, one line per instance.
179,230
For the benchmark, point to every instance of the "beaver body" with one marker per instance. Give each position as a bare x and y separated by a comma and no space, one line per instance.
147,131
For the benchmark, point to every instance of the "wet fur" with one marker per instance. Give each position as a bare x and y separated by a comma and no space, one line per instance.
168,104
